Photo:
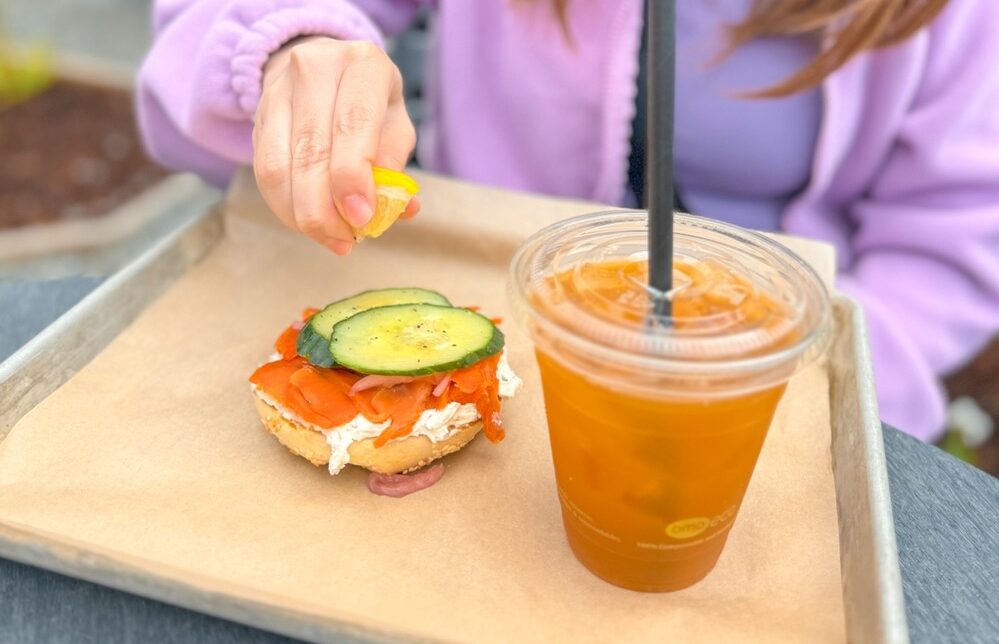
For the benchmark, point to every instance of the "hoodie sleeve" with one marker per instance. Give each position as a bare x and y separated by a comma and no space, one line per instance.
926,247
199,86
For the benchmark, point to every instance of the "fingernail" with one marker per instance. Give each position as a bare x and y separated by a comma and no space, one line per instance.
357,210
412,208
340,247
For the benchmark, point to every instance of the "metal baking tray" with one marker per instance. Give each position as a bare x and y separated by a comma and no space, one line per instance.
872,582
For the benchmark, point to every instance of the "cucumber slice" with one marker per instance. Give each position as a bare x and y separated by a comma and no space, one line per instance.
413,340
314,339
314,347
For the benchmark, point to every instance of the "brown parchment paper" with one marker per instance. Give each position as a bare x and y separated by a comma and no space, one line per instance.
153,454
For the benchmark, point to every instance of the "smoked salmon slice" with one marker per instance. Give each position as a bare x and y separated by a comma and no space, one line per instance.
327,392
403,404
287,342
274,379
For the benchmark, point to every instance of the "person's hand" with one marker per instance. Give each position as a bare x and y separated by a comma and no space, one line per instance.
330,109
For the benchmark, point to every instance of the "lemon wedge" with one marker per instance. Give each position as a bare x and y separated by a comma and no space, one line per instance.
393,191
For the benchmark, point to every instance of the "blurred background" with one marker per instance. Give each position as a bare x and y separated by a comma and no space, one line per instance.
78,197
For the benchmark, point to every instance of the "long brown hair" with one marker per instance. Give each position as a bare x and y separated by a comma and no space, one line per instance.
852,27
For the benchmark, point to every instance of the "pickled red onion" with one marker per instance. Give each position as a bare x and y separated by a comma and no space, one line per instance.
442,385
399,485
372,381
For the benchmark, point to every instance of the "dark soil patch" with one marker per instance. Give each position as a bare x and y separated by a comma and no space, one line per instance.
72,152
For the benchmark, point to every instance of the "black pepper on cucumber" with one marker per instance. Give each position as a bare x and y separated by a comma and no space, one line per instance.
314,339
413,340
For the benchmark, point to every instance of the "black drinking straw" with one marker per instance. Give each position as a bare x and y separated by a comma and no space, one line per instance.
661,51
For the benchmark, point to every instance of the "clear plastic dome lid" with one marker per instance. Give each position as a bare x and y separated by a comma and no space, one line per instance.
739,300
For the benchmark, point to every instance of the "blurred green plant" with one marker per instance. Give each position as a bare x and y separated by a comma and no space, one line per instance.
24,72
953,443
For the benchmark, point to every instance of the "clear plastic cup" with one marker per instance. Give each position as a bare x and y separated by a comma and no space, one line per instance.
656,421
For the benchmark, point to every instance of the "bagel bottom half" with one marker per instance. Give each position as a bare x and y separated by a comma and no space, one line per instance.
403,455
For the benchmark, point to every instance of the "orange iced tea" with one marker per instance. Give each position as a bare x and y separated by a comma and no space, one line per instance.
664,476
656,423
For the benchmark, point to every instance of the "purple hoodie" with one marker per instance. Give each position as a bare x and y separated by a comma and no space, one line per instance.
905,177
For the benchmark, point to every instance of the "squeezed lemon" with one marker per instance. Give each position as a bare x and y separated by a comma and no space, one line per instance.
393,191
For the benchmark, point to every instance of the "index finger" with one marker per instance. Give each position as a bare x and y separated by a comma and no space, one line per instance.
358,116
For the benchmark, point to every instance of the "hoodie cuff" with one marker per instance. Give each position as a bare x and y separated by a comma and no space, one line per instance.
341,20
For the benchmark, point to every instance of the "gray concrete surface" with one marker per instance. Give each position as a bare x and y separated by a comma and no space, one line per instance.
115,30
27,307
